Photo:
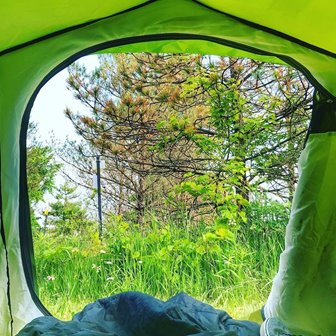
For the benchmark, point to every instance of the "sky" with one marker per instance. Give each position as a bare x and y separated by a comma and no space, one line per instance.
52,100
48,113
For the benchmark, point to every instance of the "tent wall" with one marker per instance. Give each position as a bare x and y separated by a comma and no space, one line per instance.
310,21
23,21
304,290
5,316
24,71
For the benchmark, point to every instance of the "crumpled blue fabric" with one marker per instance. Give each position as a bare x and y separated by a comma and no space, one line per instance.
138,314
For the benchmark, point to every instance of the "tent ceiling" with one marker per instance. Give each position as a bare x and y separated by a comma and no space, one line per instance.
23,21
312,21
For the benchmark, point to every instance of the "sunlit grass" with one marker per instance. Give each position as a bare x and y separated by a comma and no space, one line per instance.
164,259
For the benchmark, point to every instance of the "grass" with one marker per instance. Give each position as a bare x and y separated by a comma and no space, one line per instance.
233,274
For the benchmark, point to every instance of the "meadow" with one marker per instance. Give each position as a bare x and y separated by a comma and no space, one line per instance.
229,269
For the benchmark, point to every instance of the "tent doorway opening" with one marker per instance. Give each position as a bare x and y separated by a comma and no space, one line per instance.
200,165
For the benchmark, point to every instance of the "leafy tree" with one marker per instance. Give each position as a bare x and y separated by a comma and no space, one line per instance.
256,128
67,215
198,131
136,170
41,169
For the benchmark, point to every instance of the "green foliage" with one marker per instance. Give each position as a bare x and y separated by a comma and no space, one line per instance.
236,123
41,172
211,263
67,215
41,167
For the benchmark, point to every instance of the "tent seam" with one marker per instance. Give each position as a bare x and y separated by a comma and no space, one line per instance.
3,236
272,31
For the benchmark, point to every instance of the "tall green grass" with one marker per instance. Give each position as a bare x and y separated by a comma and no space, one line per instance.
163,259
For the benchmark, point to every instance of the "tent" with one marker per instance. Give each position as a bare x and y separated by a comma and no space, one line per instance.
39,38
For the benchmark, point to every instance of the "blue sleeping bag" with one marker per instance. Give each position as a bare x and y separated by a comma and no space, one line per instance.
138,314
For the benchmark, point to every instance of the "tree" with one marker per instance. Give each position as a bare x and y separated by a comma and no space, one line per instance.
260,114
130,124
208,129
41,169
67,215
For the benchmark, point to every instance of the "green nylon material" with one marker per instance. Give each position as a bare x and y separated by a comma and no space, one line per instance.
303,292
23,21
311,21
47,17
23,70
4,309
191,47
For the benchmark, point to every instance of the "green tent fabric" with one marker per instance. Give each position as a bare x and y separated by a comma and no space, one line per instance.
39,38
303,294
309,21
